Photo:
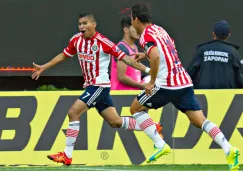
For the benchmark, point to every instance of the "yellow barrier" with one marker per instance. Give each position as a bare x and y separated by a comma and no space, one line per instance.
33,124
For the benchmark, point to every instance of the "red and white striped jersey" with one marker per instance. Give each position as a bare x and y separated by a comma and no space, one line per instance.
171,74
94,57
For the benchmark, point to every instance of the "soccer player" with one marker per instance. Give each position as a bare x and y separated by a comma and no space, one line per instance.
124,77
173,84
93,50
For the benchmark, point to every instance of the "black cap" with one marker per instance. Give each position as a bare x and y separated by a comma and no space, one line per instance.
221,29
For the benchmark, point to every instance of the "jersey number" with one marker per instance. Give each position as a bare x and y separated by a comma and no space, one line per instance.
177,62
86,95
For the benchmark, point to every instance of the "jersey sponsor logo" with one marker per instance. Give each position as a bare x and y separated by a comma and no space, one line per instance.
86,57
94,48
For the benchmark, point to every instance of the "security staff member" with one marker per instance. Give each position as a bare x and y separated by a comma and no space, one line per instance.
216,64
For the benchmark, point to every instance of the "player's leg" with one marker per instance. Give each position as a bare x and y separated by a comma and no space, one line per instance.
232,153
138,109
144,122
197,118
74,113
107,110
130,124
80,106
65,157
125,122
188,104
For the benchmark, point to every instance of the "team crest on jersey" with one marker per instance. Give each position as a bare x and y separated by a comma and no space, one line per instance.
95,48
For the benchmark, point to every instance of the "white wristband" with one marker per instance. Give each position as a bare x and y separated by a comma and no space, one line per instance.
147,70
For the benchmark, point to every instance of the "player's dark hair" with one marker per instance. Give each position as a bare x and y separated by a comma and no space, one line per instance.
87,14
125,22
143,12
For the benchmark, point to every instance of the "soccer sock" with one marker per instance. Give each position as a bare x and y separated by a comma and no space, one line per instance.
147,125
130,124
215,133
71,136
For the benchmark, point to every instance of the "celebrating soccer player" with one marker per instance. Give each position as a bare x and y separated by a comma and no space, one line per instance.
173,84
93,50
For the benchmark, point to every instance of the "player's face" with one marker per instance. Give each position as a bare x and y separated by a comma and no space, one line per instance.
133,33
87,26
135,24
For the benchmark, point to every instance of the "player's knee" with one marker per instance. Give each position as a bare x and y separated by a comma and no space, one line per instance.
132,110
72,115
196,118
115,123
196,124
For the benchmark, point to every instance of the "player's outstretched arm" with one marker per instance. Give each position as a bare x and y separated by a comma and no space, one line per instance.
41,68
131,62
